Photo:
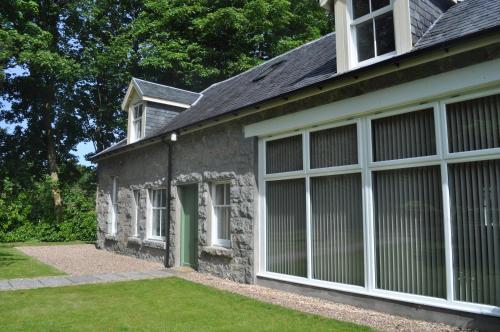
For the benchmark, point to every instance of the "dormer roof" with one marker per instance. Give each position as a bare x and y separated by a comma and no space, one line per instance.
158,93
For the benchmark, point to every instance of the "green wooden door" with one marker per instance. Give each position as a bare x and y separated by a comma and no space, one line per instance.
189,226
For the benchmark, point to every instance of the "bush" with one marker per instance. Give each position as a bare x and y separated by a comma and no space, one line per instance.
27,214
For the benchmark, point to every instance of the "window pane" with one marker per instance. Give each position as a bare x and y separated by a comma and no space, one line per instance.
137,111
384,25
377,4
474,124
365,41
138,129
284,155
475,223
223,219
409,234
403,136
163,219
163,198
334,147
337,229
227,196
286,227
219,194
156,223
155,199
360,7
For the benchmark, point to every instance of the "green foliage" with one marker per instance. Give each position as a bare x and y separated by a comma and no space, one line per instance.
26,213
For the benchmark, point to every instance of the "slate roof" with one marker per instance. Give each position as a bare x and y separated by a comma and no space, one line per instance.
465,18
154,90
315,62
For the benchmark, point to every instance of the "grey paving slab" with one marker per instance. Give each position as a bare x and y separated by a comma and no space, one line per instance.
55,281
83,279
25,283
109,277
4,285
160,274
134,275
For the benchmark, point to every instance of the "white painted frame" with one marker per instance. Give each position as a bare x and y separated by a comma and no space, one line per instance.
149,223
366,167
226,243
353,23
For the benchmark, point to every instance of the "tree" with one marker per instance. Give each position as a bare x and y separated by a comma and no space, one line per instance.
37,44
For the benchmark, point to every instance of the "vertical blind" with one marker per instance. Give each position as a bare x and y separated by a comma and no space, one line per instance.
474,124
337,229
475,218
334,147
409,233
284,155
403,136
286,227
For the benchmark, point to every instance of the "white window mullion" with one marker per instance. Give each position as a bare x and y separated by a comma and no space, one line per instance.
307,165
442,145
369,242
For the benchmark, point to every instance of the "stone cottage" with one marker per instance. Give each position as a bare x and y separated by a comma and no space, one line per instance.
363,166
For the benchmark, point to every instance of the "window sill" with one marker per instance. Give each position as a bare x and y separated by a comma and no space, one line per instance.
218,251
153,243
134,240
110,237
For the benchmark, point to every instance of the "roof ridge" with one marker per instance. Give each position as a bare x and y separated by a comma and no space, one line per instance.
267,61
165,86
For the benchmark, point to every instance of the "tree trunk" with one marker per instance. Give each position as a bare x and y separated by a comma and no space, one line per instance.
52,163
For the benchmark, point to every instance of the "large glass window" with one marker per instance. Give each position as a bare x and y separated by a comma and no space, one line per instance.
337,229
474,124
158,213
404,136
284,155
286,227
421,217
475,220
373,28
222,214
409,233
334,147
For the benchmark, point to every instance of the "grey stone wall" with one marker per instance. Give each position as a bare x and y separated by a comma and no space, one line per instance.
141,170
217,154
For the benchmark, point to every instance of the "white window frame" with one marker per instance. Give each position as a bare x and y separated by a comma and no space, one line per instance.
353,35
136,197
367,166
150,234
113,211
215,222
134,121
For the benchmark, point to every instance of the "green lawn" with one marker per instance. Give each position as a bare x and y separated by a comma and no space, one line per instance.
151,305
15,264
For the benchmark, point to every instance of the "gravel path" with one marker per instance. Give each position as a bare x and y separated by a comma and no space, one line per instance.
85,259
342,312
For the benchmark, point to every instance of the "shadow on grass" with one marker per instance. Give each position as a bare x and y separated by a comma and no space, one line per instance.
7,259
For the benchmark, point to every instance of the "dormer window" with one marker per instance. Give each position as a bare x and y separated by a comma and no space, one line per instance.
372,26
137,127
